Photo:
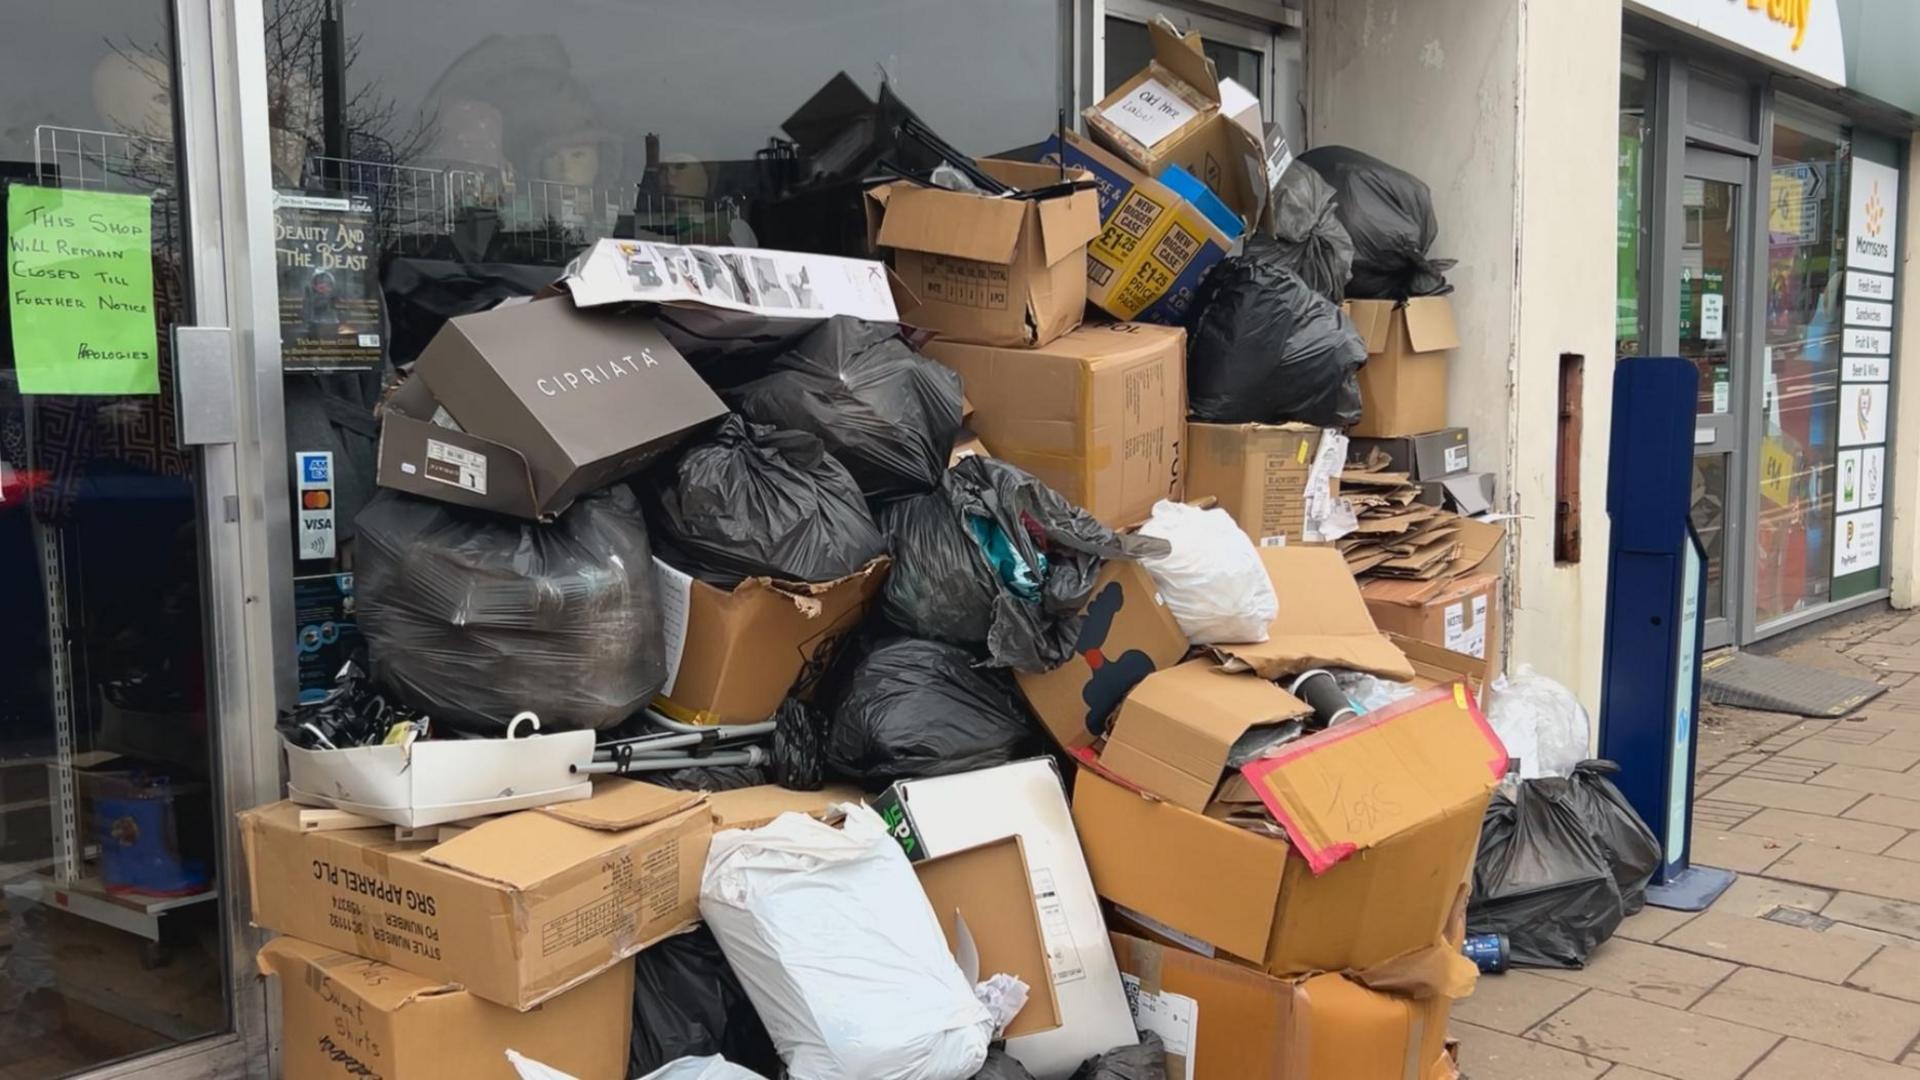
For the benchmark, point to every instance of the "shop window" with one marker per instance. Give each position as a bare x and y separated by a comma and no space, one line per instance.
1800,470
504,136
1631,220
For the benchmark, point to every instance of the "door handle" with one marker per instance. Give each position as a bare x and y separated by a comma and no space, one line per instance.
206,401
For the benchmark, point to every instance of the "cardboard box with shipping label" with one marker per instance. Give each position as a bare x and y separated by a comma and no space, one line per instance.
1382,816
1127,635
1098,414
1178,111
1265,475
1153,248
1177,728
732,656
1459,614
588,884
1403,384
940,815
999,271
524,408
1222,1021
344,1016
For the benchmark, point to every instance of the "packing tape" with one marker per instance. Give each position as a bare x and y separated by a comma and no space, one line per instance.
1416,1035
677,711
1147,957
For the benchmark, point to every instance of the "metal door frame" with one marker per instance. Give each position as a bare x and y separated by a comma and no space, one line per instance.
221,103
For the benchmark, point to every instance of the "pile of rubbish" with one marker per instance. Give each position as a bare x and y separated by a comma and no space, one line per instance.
834,688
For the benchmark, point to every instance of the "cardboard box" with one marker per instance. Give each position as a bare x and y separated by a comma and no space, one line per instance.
944,814
522,409
1153,247
1323,621
988,890
1178,111
1459,614
1225,1022
1176,729
1434,666
732,656
1127,635
967,444
1383,819
752,807
1469,494
1403,384
999,271
1426,456
587,884
435,781
1262,474
1483,548
346,1016
1098,414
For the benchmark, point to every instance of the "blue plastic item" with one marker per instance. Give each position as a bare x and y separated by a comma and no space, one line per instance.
139,852
1189,187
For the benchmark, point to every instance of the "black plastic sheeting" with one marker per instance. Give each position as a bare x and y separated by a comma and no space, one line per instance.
1388,213
687,1002
1264,348
911,708
943,587
1146,1061
472,617
1308,238
754,501
1558,859
886,412
1002,1066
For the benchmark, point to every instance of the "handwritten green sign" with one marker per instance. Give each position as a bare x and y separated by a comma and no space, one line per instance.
80,291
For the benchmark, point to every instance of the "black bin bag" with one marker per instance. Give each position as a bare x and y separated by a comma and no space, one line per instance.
994,559
1002,1066
1145,1061
687,1002
1388,213
885,412
1542,878
1264,348
1308,238
472,617
911,708
754,501
1630,847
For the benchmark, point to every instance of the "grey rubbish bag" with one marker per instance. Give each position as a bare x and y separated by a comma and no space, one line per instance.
472,617
996,560
1388,213
1308,238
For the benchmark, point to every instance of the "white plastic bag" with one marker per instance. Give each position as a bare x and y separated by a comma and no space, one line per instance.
686,1068
1212,580
841,953
1540,722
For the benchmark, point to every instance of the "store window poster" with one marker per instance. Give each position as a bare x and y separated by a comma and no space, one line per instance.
1863,414
1856,542
1873,467
329,276
1849,482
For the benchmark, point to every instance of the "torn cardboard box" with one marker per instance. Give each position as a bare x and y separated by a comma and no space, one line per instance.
1176,730
1323,621
733,655
1221,1021
998,271
1434,666
752,807
1153,247
1127,634
1458,614
346,1016
1097,415
1382,816
1270,477
944,814
983,897
1178,111
588,883
524,408
1403,384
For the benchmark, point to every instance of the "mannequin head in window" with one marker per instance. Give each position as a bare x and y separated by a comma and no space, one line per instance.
683,176
133,93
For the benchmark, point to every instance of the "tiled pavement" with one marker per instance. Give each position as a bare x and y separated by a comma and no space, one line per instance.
1809,967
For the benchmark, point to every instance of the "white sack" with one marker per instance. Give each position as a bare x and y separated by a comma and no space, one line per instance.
841,953
1213,580
1540,722
686,1068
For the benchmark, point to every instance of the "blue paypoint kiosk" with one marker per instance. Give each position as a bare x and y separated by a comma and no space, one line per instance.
1656,586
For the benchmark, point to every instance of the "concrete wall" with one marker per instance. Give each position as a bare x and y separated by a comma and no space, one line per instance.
1903,568
1507,109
